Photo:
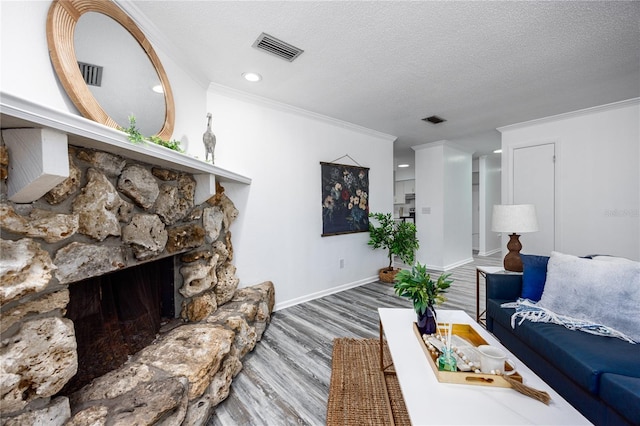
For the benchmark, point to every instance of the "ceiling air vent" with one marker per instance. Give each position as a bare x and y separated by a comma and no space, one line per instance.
92,74
277,47
434,119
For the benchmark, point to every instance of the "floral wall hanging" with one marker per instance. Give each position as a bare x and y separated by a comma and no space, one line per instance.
345,199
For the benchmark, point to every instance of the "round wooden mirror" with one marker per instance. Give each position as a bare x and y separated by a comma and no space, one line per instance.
125,95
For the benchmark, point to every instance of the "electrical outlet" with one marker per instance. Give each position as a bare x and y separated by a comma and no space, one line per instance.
341,263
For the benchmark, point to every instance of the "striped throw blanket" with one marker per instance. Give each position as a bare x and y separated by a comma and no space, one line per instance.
528,310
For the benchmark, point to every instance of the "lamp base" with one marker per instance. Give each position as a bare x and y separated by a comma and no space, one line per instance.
512,261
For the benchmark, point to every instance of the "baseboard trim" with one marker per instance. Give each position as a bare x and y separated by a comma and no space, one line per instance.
440,268
319,294
490,252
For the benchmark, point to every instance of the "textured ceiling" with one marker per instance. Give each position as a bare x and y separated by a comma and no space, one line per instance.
385,65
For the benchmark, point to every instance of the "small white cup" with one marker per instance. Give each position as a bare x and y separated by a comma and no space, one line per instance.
492,360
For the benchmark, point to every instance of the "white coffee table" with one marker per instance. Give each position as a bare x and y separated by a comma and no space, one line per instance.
431,402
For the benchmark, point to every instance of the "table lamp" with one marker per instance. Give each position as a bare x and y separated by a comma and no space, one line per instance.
514,219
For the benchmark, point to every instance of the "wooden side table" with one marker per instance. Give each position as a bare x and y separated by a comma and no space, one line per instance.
483,270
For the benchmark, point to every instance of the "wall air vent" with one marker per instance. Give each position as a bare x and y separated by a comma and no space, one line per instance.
92,74
277,47
434,119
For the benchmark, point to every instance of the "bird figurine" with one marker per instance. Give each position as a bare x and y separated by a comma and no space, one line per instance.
209,140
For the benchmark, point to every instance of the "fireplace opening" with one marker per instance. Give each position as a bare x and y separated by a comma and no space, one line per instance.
118,314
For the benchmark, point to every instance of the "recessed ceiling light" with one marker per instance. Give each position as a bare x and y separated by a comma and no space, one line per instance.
252,76
403,165
497,151
158,88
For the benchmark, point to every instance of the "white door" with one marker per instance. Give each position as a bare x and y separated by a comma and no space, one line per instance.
534,183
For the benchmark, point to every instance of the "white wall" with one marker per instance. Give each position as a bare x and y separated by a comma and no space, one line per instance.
443,205
457,206
26,71
277,235
598,193
490,193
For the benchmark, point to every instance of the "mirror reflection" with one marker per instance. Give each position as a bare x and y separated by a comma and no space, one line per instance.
127,76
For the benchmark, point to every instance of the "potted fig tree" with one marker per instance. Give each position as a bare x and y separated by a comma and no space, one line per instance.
397,237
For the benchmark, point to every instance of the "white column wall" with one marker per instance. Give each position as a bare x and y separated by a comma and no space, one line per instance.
458,239
430,204
490,194
598,168
443,205
277,235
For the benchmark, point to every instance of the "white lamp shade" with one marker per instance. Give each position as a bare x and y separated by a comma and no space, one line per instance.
514,218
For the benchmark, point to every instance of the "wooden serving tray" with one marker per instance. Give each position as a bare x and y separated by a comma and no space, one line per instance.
465,377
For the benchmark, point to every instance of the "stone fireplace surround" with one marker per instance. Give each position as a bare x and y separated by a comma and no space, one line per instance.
112,213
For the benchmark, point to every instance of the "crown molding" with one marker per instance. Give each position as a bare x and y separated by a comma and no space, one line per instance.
280,106
571,114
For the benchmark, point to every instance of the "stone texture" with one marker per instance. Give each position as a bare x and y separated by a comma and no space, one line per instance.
229,209
221,383
221,250
78,261
109,164
67,187
158,402
138,183
146,234
95,415
246,336
54,414
198,277
187,187
199,307
99,207
173,203
254,304
24,268
212,218
169,205
200,409
185,237
114,384
49,226
164,174
195,351
228,244
36,362
4,162
194,255
46,303
227,282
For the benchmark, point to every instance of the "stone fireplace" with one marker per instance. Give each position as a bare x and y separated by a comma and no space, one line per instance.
114,214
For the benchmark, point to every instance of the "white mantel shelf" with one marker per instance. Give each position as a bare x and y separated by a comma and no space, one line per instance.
16,112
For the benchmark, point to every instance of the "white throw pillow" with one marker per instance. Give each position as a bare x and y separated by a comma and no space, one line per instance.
603,292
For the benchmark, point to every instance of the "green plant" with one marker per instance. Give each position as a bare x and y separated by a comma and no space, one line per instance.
418,286
399,238
134,135
172,144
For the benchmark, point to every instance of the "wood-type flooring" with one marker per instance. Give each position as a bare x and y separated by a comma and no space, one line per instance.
285,380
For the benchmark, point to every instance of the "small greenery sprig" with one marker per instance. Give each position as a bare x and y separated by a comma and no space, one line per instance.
418,286
134,135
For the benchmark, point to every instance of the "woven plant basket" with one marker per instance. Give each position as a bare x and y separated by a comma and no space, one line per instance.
387,276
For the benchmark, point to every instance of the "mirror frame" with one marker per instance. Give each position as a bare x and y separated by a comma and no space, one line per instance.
61,23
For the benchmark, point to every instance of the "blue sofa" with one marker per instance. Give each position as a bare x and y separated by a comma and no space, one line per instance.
599,376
